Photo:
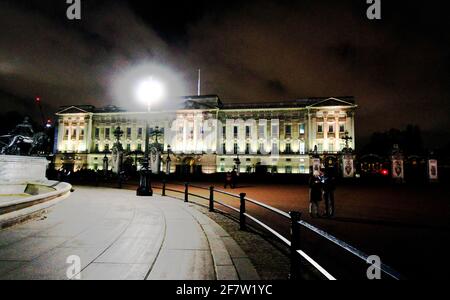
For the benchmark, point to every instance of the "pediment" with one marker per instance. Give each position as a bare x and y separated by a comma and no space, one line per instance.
72,110
333,102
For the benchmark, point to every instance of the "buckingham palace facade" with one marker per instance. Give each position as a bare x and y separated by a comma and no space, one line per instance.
208,136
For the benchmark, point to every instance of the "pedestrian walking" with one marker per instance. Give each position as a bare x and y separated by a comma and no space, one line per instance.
329,187
315,194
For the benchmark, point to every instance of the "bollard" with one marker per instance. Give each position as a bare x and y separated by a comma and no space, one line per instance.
186,193
242,218
164,188
211,199
295,246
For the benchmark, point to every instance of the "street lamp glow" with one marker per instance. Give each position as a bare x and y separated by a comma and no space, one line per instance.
150,91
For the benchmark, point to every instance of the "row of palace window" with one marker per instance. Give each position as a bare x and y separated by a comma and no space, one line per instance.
107,148
288,149
275,148
262,131
74,134
331,128
106,133
273,170
287,130
140,131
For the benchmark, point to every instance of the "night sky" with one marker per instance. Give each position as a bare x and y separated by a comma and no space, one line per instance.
249,51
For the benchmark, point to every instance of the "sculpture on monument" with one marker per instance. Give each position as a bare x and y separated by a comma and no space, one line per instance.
156,150
24,141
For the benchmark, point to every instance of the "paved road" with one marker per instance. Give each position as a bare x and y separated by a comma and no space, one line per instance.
119,236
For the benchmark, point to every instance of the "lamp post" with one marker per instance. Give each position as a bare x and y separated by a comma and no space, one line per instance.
105,164
237,161
168,161
148,92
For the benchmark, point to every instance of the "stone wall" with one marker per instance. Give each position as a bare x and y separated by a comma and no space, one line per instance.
22,169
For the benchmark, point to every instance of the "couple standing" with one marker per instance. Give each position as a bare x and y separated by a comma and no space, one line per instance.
322,187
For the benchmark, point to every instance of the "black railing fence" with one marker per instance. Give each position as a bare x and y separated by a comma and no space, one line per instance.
297,255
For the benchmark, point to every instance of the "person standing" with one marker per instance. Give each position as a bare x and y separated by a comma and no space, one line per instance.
329,187
228,180
315,194
234,177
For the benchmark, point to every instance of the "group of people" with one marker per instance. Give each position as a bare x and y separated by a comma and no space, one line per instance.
322,187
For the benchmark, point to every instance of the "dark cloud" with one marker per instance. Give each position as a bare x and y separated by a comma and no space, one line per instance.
248,51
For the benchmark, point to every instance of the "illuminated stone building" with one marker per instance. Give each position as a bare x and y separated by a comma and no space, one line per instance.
207,136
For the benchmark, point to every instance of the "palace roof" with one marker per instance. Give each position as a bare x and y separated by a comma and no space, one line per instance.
214,102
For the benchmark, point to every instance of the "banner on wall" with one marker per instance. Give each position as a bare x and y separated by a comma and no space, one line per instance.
348,167
398,171
433,169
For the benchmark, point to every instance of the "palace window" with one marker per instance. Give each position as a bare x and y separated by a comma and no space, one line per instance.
331,128
248,132
236,148
129,133
81,134
288,130
128,148
342,128
288,149
261,148
302,169
97,133
288,169
320,128
140,131
224,148
224,132
262,131
106,147
331,147
275,148
236,132
96,148
107,133
247,149
302,129
302,148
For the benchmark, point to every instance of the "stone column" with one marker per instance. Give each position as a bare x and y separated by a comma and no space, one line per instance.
61,132
338,134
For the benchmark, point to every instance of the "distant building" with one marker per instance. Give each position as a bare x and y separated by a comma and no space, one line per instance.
207,136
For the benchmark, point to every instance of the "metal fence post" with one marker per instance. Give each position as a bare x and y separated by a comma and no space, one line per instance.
242,217
186,192
295,246
164,188
211,199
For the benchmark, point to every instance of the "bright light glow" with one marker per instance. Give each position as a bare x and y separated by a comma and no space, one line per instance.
150,91
124,85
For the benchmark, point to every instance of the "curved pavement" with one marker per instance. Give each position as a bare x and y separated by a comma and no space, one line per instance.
119,236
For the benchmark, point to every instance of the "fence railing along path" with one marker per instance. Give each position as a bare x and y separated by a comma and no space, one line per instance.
296,224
